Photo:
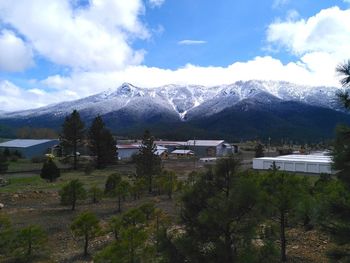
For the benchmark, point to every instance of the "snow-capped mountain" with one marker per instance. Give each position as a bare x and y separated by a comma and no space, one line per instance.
245,109
186,102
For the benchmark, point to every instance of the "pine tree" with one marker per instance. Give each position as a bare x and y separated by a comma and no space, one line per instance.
71,192
259,151
86,225
50,171
148,164
219,212
3,163
282,193
72,134
101,143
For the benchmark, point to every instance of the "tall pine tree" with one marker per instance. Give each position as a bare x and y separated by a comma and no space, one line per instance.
148,163
101,143
72,134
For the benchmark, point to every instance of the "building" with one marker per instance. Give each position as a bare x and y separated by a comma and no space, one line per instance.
29,148
210,148
313,163
171,145
126,151
182,153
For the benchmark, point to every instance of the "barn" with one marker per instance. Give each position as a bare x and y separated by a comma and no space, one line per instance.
313,163
29,148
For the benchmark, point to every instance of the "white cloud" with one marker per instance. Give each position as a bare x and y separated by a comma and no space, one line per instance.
96,37
328,31
191,42
279,3
15,54
156,3
307,71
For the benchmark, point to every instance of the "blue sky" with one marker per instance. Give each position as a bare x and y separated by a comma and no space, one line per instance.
66,49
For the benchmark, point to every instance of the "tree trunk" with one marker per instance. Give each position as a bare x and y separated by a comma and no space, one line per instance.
283,238
75,155
150,184
86,245
74,199
119,204
229,254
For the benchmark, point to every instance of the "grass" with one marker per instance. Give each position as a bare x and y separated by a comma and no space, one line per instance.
35,183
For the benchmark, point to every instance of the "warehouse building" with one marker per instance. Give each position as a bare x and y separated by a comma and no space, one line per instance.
316,163
29,148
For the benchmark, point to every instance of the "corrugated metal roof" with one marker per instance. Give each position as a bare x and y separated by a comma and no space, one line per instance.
204,142
24,143
170,143
300,158
182,152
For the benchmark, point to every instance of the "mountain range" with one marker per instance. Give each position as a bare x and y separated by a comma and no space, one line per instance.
242,110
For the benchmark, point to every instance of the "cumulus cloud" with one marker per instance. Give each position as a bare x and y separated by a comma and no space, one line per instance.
94,37
15,54
191,42
307,71
328,31
156,3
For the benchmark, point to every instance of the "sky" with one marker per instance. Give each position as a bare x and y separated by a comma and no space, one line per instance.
58,50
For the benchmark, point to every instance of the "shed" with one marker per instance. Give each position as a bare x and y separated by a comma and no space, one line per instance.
30,147
312,163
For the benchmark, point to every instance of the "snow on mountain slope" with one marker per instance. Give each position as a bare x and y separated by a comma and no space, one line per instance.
186,102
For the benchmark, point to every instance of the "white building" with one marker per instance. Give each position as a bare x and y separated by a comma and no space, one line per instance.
313,163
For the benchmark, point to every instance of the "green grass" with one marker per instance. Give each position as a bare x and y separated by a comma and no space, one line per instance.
35,183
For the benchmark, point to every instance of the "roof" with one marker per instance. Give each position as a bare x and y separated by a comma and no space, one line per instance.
24,143
204,142
160,152
136,146
170,143
311,158
182,152
128,146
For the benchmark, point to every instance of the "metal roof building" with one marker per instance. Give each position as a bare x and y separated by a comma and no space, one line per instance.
29,147
313,163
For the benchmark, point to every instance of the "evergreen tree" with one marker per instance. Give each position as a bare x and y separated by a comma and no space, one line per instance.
50,171
30,239
259,150
282,194
344,96
219,213
95,193
3,163
6,235
72,134
72,192
148,164
101,143
86,225
335,195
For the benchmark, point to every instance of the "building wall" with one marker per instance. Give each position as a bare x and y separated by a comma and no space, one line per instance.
127,153
293,166
35,150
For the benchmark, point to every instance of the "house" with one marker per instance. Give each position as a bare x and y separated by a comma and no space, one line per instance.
182,153
210,148
30,148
